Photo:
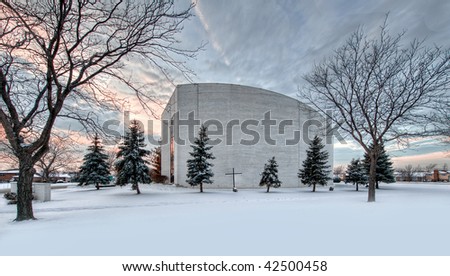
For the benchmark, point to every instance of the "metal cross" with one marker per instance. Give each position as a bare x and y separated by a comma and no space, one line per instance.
234,183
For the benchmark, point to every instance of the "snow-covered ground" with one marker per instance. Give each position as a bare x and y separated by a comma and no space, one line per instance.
407,219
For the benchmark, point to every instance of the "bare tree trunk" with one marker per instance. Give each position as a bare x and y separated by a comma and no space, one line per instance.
357,186
314,187
372,176
268,187
377,185
201,187
45,176
24,190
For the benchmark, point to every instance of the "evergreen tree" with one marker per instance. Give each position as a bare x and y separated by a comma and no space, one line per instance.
356,173
199,169
315,166
269,177
155,160
384,169
95,169
131,166
155,163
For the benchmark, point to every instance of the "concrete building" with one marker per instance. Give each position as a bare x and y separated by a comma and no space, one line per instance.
246,125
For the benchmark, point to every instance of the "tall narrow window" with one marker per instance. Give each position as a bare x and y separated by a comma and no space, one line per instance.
172,152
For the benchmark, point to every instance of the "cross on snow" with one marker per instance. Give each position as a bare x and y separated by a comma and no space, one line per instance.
234,183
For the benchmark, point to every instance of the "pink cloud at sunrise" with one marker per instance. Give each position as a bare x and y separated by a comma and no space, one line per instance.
439,158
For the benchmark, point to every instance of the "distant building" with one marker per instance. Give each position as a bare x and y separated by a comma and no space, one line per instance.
411,176
440,176
7,175
419,177
435,176
57,177
13,175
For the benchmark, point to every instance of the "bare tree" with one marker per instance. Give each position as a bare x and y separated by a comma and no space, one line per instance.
112,157
375,88
338,170
60,154
56,58
408,172
430,167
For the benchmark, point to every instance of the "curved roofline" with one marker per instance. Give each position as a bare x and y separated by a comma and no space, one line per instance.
247,86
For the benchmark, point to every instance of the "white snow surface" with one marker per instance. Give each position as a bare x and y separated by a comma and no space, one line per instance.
406,219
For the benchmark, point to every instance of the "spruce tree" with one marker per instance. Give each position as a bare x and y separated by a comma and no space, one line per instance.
155,163
356,173
269,177
95,169
315,169
199,169
384,169
131,166
155,160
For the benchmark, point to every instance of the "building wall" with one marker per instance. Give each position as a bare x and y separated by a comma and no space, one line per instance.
6,176
235,115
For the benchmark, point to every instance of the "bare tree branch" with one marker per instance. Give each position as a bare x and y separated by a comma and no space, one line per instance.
61,149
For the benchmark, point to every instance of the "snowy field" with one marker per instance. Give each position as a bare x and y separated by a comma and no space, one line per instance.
407,219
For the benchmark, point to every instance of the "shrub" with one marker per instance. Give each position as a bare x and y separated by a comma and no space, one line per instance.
336,179
12,198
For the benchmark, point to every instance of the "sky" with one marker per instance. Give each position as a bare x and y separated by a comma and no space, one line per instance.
272,44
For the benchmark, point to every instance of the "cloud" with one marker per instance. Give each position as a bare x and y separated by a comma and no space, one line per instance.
343,153
440,158
271,44
215,43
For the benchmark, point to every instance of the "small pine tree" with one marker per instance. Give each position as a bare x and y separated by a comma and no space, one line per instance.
155,160
155,163
199,169
269,177
131,166
384,169
356,173
95,169
315,166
